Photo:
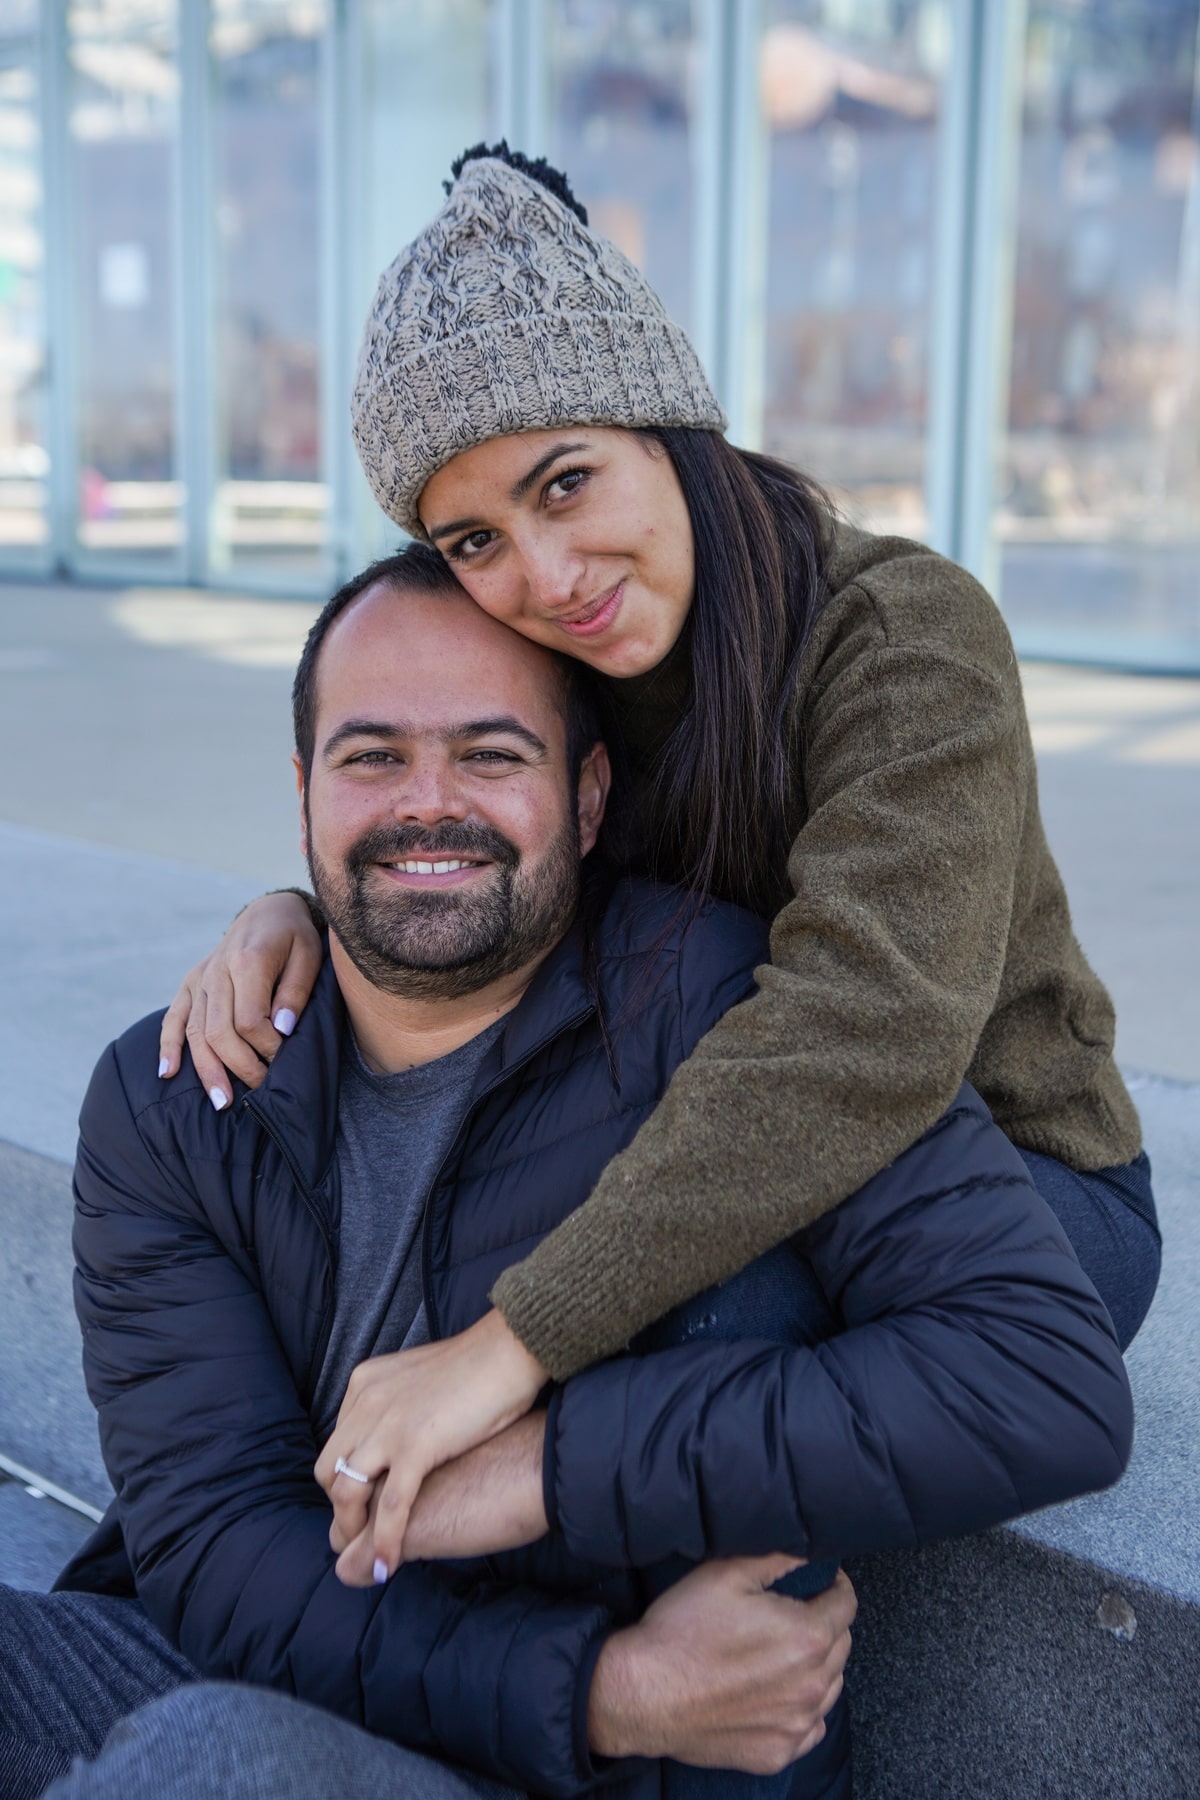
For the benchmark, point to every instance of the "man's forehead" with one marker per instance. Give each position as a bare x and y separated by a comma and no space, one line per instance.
431,661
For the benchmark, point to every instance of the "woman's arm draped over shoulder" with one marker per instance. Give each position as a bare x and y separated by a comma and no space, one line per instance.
885,968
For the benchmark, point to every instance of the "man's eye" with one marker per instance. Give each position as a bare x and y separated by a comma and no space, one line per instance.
371,759
492,757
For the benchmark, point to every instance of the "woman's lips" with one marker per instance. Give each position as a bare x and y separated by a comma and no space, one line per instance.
593,620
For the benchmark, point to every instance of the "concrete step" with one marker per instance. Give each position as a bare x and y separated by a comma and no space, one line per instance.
37,1535
981,1671
1060,1658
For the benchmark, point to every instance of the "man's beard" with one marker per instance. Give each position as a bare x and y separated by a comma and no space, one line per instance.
450,941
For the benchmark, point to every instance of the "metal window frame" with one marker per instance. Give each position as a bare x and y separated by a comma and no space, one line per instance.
63,483
971,326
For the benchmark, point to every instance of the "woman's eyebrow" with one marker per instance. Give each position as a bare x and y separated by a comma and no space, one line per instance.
521,488
518,491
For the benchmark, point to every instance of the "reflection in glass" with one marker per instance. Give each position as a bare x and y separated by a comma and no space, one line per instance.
24,465
1100,517
271,503
621,78
427,93
123,120
851,98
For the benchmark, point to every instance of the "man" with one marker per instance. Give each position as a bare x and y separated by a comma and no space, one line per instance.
484,1038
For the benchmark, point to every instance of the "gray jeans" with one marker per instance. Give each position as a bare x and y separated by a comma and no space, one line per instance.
86,1677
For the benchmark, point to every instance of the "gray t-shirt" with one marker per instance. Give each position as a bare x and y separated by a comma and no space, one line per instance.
393,1133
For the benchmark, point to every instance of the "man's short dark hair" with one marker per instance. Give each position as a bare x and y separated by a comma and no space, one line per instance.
418,568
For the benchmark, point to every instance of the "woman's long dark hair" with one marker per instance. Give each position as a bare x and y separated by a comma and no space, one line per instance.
718,809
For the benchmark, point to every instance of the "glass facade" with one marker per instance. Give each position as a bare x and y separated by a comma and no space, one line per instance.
1099,514
123,122
24,459
622,81
852,98
911,239
270,501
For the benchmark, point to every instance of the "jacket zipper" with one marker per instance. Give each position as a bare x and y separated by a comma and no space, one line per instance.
571,1024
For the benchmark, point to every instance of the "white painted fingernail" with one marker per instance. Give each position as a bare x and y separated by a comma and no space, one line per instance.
164,1067
380,1571
219,1099
284,1021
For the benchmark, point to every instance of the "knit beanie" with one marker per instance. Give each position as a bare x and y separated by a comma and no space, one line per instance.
507,314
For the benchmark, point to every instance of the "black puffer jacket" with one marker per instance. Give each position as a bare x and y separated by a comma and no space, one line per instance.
976,1375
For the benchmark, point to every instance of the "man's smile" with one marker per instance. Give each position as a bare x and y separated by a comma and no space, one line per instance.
422,873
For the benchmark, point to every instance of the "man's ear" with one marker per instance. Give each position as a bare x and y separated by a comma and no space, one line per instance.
299,768
595,779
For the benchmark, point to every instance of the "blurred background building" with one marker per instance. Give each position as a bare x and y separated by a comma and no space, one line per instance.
944,254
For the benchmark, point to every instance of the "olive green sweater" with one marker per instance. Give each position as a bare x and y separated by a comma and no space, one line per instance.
929,939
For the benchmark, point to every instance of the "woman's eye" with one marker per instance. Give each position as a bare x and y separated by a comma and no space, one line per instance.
570,481
470,546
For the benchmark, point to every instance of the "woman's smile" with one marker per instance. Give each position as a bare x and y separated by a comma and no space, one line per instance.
596,616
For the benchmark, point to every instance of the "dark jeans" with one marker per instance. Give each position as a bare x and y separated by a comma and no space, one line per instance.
1111,1221
74,1667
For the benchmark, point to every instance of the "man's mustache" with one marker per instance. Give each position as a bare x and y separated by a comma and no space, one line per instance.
399,843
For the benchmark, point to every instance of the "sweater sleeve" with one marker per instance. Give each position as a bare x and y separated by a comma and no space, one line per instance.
884,969
211,1454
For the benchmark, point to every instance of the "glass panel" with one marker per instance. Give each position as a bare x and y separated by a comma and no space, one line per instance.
24,465
852,93
271,504
620,125
1100,520
123,121
428,93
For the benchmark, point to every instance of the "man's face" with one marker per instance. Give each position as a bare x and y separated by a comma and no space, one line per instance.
440,822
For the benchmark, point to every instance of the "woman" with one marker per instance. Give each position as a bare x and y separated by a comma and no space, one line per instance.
824,726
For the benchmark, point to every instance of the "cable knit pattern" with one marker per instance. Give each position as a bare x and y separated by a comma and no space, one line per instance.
507,314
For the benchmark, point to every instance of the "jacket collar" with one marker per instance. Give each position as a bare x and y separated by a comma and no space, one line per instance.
298,1099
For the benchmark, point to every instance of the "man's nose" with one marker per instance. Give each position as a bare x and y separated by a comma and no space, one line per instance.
429,793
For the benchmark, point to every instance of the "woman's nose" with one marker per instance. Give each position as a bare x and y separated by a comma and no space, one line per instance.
554,572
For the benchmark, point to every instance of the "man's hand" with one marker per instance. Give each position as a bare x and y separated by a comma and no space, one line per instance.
722,1674
405,1415
488,1500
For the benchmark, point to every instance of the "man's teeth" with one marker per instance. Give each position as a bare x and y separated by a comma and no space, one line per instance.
414,867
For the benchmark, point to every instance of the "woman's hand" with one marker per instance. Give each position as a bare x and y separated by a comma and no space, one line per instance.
481,1503
236,1007
407,1414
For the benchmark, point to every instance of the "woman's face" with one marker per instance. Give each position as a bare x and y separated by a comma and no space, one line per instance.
579,538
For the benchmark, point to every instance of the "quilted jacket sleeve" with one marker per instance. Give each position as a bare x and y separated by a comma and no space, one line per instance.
976,1377
210,1452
